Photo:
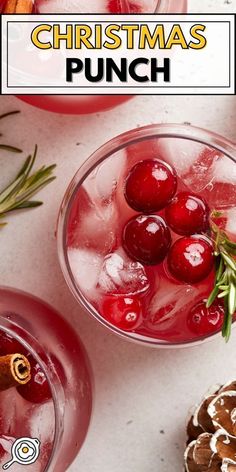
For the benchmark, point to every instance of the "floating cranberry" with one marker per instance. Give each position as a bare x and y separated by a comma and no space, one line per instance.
191,259
203,321
150,186
187,214
123,312
37,390
147,239
118,6
114,6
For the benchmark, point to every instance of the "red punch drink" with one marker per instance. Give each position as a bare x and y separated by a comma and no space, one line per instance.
83,104
37,418
137,233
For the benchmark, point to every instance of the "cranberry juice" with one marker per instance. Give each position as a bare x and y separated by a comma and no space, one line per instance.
105,6
26,411
96,6
83,104
139,243
44,408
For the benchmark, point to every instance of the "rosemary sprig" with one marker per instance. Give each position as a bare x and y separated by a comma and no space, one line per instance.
225,278
9,113
17,195
7,147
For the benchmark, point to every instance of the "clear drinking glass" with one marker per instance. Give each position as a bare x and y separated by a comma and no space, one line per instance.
32,327
94,212
77,104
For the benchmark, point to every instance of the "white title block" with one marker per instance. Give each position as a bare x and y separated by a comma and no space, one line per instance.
122,54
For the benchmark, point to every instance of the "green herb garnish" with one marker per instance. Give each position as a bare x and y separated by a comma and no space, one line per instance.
225,279
17,195
7,147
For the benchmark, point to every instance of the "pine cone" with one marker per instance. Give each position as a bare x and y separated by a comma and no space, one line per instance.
212,433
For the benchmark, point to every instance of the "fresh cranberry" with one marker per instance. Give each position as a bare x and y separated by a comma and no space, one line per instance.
37,390
123,312
202,320
150,186
117,6
187,214
147,239
10,345
114,6
191,259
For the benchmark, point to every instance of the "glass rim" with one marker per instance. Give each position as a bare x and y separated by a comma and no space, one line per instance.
54,383
160,6
179,131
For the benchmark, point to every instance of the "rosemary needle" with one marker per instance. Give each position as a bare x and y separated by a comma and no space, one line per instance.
225,278
9,113
7,147
17,195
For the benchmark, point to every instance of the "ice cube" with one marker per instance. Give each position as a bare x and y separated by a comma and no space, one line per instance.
20,418
168,301
180,153
225,170
94,217
92,224
97,227
141,150
86,266
80,206
102,183
8,420
6,443
72,6
120,275
221,193
200,176
193,162
231,223
42,422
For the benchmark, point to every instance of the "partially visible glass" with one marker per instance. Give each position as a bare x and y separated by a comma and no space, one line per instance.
77,104
60,420
94,212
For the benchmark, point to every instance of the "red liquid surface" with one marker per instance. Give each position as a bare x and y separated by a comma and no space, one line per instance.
86,104
75,104
96,6
30,412
23,418
97,258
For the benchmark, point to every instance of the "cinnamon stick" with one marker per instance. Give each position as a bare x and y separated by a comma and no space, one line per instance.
14,371
19,6
10,6
24,6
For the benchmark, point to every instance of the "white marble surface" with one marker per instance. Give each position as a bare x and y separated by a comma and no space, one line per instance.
142,395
